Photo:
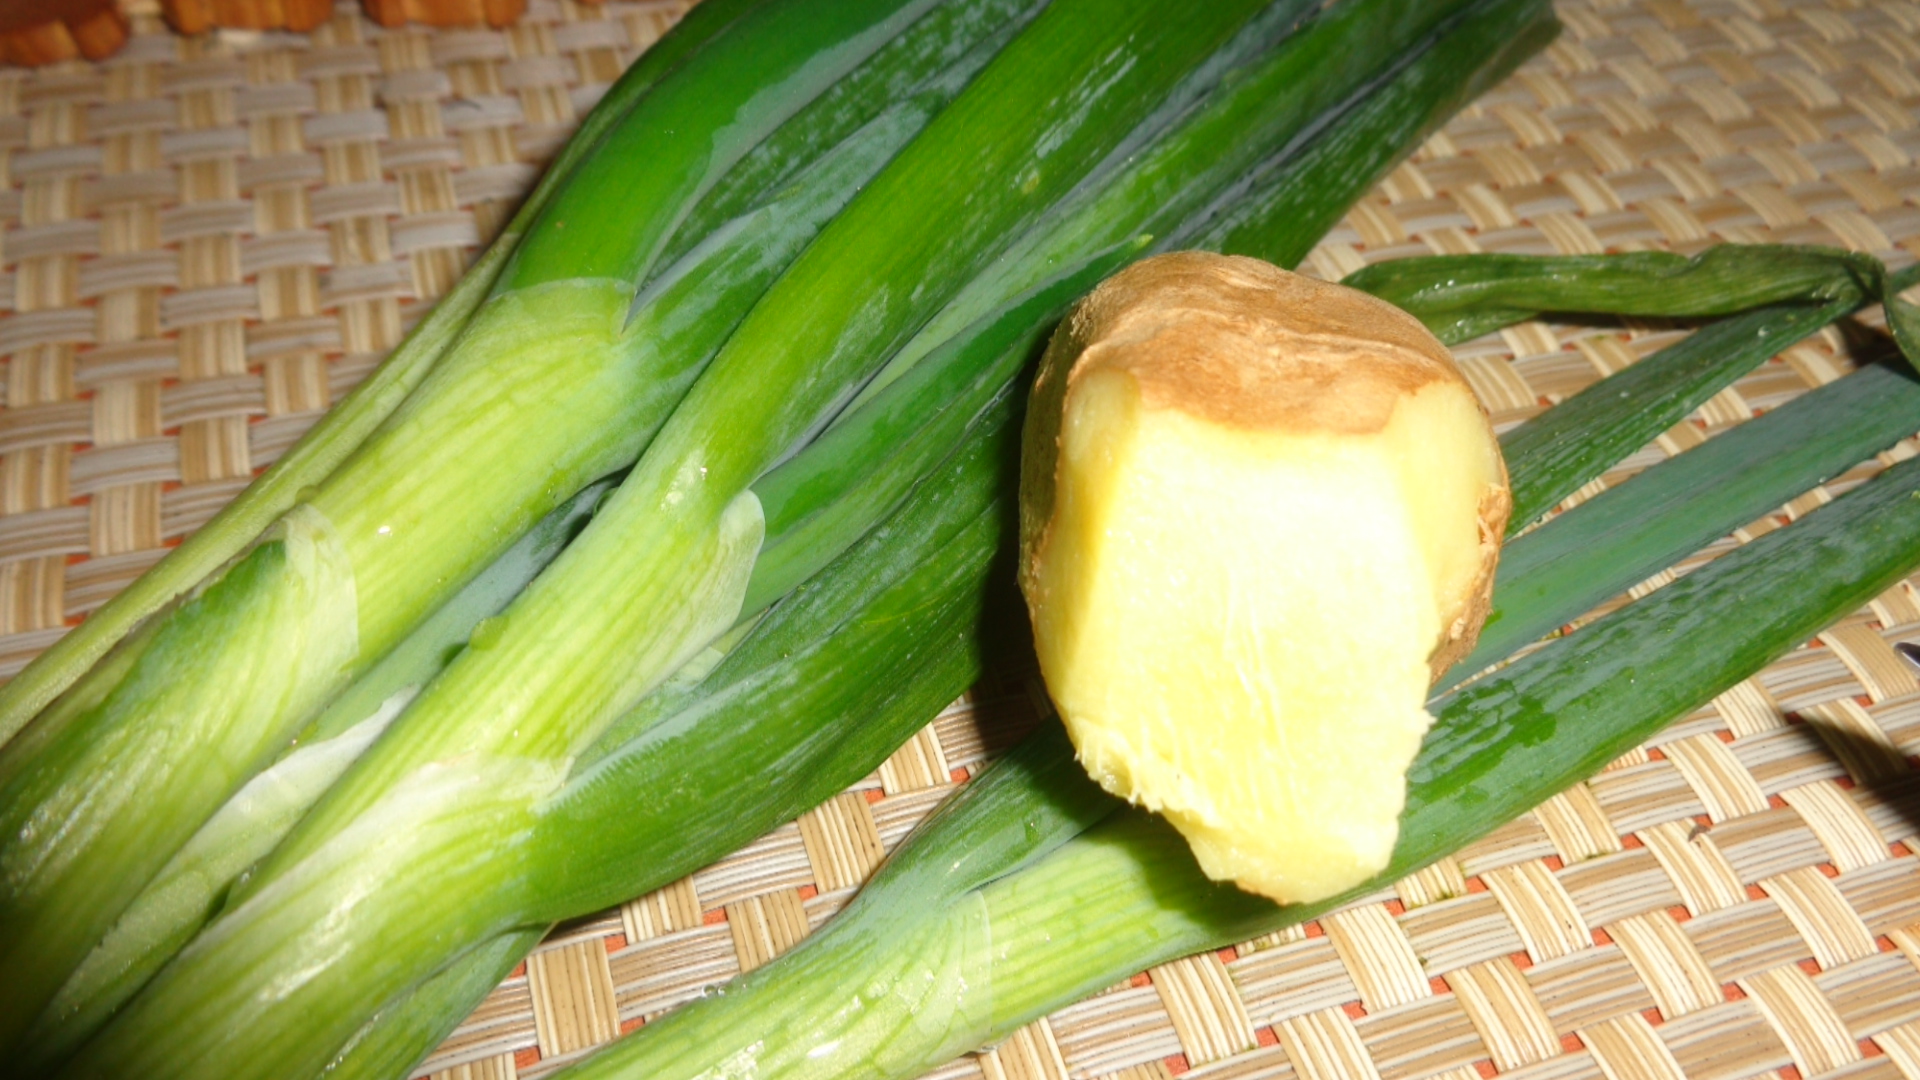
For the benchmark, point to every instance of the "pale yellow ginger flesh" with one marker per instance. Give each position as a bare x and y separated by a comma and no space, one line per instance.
1259,513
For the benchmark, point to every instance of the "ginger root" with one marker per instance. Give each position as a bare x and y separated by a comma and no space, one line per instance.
1259,514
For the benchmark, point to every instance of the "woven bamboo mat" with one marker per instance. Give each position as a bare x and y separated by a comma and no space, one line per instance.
205,242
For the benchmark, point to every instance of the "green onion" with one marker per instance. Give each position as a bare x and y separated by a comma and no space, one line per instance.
880,640
1461,297
1160,173
392,1042
867,640
866,461
681,501
1153,184
1274,213
249,826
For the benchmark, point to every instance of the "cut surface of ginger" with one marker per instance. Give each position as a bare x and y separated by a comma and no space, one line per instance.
1239,599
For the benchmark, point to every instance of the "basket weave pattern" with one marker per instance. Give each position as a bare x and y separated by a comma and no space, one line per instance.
207,241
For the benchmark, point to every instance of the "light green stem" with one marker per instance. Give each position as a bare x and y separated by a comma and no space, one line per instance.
112,789
191,886
456,827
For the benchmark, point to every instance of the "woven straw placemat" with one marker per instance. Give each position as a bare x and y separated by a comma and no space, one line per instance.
207,241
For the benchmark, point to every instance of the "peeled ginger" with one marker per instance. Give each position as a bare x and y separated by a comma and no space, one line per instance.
1259,514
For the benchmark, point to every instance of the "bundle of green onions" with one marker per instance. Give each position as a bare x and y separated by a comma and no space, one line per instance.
303,792
297,799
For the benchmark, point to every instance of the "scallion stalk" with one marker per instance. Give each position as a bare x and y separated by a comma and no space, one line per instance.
1262,104
1162,171
1270,213
1460,297
1647,399
868,459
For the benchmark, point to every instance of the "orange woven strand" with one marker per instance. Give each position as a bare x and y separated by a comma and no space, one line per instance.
35,32
200,16
495,13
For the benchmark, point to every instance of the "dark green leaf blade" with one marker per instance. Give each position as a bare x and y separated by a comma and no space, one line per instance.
1552,455
1627,533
